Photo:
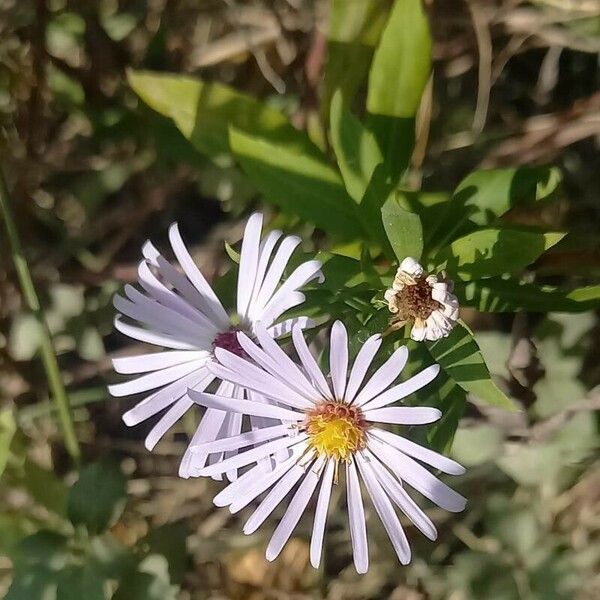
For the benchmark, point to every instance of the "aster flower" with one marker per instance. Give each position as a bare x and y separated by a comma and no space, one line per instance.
425,300
327,428
178,310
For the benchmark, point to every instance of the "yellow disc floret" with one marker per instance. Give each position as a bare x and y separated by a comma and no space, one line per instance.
335,430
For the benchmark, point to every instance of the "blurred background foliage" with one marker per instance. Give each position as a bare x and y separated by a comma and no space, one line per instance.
95,172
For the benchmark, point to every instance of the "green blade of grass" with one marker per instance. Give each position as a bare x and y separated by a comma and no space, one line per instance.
47,353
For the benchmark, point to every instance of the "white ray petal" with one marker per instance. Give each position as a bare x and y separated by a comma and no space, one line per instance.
151,337
239,497
144,363
402,390
274,274
338,358
363,361
166,396
399,495
211,304
385,510
285,367
265,252
318,531
207,430
434,459
242,440
248,263
273,498
285,327
246,407
247,374
300,276
310,364
294,511
404,415
283,303
356,518
155,379
384,376
167,421
410,471
252,455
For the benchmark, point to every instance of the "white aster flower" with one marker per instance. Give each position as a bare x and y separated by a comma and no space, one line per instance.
425,300
325,427
178,310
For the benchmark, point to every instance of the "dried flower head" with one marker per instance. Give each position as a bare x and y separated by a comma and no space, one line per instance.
425,300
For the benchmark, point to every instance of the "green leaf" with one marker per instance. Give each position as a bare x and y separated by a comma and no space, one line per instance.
477,445
170,541
483,196
403,228
491,252
355,147
299,184
78,583
150,582
98,497
8,428
451,400
460,357
354,31
399,73
509,295
203,112
45,487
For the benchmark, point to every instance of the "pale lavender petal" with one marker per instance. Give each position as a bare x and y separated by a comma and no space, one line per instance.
356,518
294,511
248,263
318,531
144,363
384,376
434,459
385,510
338,359
404,415
310,364
402,390
363,361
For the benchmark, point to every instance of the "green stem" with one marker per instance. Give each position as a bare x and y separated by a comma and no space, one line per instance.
55,382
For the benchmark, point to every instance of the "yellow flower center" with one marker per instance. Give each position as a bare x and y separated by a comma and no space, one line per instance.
335,430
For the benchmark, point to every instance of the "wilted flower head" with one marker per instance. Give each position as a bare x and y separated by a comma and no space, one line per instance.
425,300
178,310
327,428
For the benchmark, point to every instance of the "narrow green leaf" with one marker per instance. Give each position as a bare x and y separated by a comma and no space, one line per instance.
8,428
460,357
354,31
355,147
399,73
299,184
403,228
491,252
451,400
483,196
510,295
97,498
203,112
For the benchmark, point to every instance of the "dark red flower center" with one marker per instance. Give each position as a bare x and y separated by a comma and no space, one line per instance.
228,340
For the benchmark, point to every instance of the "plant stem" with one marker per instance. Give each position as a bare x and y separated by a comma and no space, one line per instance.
48,355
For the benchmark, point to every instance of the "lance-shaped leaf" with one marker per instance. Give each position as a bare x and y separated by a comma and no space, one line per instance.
491,252
300,184
403,228
355,148
460,357
399,73
483,196
354,31
203,112
509,295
